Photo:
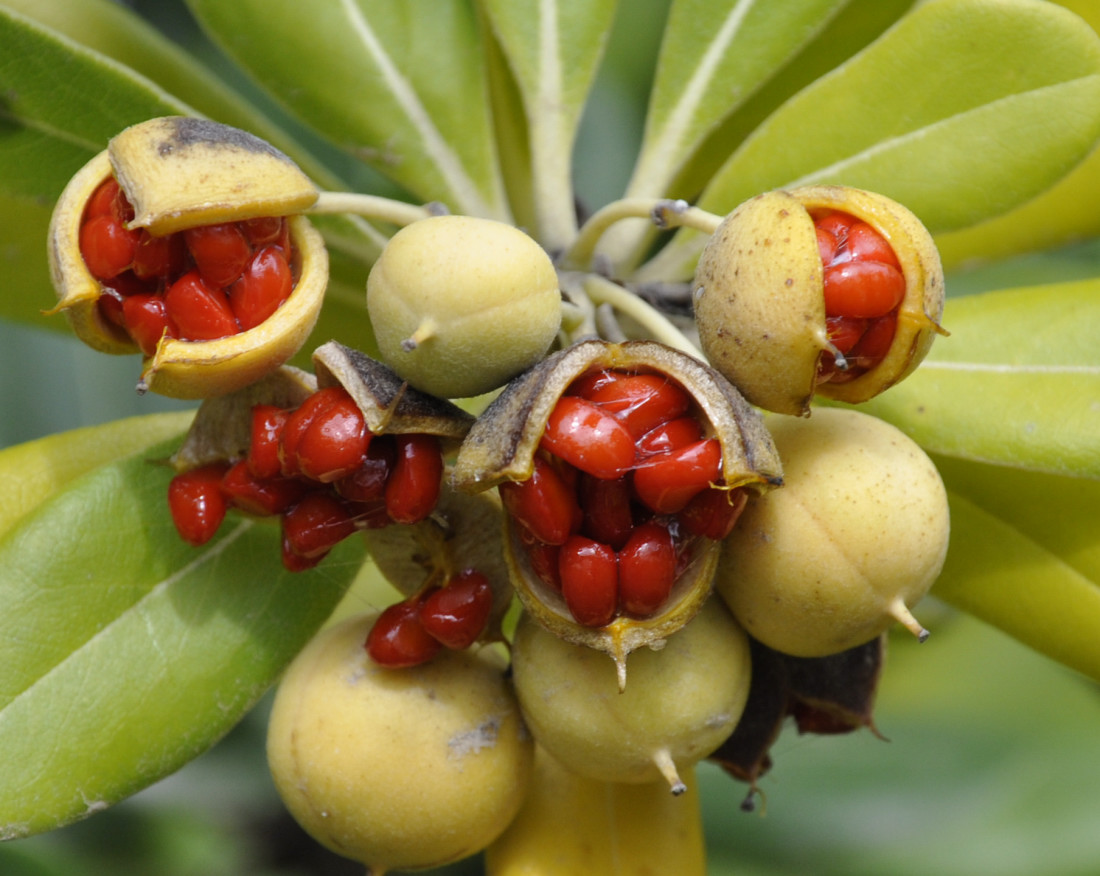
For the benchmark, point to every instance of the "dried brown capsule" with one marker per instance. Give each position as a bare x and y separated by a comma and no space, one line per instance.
182,241
621,466
821,289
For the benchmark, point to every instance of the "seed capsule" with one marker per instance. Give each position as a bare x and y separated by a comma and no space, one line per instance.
578,587
821,289
161,244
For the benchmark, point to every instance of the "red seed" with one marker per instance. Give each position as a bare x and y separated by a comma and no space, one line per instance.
845,331
608,515
647,570
641,402
220,251
316,524
147,321
544,559
107,246
875,343
196,502
593,381
543,504
863,289
398,639
161,258
335,441
826,246
835,223
297,423
666,482
866,244
589,439
413,488
713,512
263,230
102,201
669,436
263,497
265,284
199,312
458,613
266,430
367,484
589,581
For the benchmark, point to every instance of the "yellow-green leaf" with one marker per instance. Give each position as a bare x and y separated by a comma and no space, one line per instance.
1017,383
126,651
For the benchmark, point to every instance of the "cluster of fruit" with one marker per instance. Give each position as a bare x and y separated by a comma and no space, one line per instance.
202,283
320,470
642,506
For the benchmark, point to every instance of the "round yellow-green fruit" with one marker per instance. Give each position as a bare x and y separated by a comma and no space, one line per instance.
853,539
680,702
397,768
460,305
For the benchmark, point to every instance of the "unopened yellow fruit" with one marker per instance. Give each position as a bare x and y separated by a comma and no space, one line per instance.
682,702
854,538
461,304
397,768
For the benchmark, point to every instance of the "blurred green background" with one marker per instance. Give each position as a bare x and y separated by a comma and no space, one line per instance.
992,762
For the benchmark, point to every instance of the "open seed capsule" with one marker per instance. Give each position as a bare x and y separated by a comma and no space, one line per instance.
353,449
181,241
821,289
599,451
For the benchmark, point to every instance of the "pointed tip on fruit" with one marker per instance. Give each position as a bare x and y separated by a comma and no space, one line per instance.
424,331
663,760
900,612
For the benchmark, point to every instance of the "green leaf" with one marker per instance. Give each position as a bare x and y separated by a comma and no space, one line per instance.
115,32
961,111
1017,382
31,473
715,56
127,651
553,48
402,90
1024,558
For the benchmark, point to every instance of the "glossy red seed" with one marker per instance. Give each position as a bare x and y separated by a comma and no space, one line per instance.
669,436
262,497
866,244
641,402
666,482
316,524
102,200
109,305
845,331
826,246
263,230
413,488
589,581
862,289
836,223
298,421
398,640
196,502
266,429
458,613
713,513
198,311
543,504
647,570
544,559
220,251
875,343
147,321
107,246
588,438
265,284
162,258
367,483
606,506
335,441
